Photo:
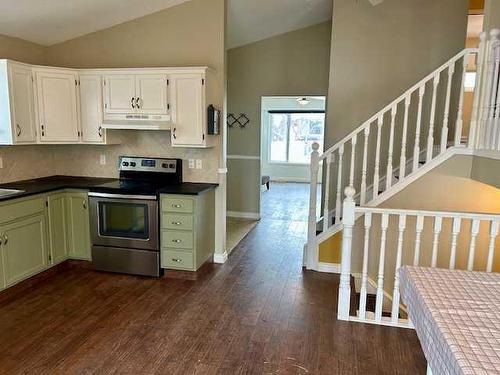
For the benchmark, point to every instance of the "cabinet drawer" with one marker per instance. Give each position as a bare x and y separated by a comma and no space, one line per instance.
177,221
177,259
176,238
171,204
15,210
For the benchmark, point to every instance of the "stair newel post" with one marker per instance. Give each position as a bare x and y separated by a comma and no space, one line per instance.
312,244
495,35
475,129
345,274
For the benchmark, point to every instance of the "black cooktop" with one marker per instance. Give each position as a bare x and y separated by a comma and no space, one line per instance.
136,187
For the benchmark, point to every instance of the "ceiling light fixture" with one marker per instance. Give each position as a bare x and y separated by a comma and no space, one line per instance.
303,101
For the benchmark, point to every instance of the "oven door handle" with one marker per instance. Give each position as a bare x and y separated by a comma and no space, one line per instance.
123,196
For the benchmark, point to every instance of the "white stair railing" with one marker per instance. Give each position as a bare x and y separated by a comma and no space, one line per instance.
414,131
455,239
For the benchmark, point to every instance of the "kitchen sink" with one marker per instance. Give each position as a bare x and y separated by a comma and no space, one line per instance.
8,192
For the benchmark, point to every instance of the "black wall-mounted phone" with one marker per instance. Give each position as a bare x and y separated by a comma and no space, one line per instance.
213,119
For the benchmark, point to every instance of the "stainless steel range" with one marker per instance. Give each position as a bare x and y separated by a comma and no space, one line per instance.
124,216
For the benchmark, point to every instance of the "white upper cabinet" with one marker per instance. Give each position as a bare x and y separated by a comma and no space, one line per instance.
120,93
91,105
17,124
57,105
136,94
187,92
151,94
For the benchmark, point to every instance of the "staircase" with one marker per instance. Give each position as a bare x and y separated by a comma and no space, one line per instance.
406,139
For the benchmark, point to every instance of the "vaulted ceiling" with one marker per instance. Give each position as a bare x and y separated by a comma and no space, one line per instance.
48,22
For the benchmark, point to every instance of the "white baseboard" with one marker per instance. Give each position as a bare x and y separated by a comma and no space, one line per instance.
220,258
329,267
243,215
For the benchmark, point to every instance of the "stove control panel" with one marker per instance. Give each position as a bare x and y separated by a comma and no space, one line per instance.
138,164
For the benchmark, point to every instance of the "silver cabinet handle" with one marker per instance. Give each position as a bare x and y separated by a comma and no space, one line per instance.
99,130
84,204
138,102
19,130
132,102
1,240
176,223
5,239
43,130
176,260
176,241
177,206
174,133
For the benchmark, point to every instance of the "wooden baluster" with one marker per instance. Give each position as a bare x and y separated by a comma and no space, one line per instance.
488,101
389,176
345,274
338,204
312,244
326,188
460,115
353,159
430,137
380,277
496,123
416,149
419,227
495,45
395,293
364,274
454,239
472,246
438,221
494,227
402,162
365,165
476,130
376,175
446,118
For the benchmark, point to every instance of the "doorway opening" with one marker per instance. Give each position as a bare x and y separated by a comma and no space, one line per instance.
289,127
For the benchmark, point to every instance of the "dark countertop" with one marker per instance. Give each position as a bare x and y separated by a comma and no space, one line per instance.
53,183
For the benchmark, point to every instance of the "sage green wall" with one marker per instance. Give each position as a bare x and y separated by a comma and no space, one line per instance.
380,51
486,170
295,63
491,14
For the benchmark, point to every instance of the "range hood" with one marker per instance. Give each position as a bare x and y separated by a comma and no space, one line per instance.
137,122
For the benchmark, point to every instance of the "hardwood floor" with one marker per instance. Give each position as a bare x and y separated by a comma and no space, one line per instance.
259,313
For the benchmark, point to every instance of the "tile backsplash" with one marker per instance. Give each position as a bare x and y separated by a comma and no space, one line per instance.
26,162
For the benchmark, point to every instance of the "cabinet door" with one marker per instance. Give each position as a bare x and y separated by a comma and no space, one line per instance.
91,108
151,91
21,93
120,93
24,250
78,226
188,110
57,224
57,106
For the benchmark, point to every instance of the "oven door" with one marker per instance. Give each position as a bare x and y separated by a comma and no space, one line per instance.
126,221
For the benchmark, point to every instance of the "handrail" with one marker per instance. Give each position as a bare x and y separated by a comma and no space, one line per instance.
411,90
443,214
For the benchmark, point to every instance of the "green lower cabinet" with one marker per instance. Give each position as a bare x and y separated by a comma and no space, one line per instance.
24,248
187,230
57,225
77,224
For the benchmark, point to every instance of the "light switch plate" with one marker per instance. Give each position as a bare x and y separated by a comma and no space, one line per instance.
103,159
191,163
199,164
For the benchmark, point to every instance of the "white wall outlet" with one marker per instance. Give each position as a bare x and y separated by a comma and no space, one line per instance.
1,162
103,159
191,163
199,164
